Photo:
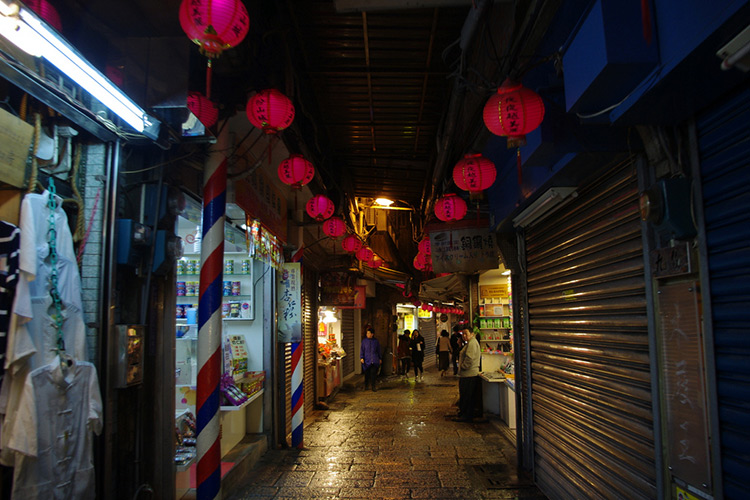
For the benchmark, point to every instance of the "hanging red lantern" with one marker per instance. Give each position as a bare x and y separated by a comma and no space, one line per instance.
424,246
203,108
296,171
319,207
430,307
513,112
334,227
47,12
450,207
365,254
474,173
417,303
351,243
423,262
214,25
424,307
270,111
375,262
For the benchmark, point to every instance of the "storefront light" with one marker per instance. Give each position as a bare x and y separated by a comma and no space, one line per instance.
329,317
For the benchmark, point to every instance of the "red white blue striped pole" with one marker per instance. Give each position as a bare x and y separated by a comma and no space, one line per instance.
209,321
298,395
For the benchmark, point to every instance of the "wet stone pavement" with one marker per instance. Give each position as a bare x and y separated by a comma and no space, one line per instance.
398,442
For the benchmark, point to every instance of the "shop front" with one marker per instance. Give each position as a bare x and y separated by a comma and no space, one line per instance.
330,351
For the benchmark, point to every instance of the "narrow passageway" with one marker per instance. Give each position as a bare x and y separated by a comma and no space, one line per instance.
398,442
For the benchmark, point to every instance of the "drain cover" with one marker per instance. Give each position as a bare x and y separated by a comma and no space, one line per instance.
500,476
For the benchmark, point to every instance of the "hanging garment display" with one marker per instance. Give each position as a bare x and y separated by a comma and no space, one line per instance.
58,412
10,237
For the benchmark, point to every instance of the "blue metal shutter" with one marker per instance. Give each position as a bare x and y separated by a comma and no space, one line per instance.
724,148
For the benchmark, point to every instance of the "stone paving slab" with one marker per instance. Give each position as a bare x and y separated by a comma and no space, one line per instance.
396,443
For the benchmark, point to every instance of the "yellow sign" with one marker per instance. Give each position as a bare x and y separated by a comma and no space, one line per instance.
408,319
421,313
684,495
15,139
493,291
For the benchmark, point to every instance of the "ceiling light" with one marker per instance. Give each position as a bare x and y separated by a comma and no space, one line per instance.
384,202
544,205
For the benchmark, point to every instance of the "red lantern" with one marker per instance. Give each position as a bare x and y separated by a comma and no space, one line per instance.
296,171
365,254
203,108
424,246
375,262
417,303
319,207
513,112
351,243
474,173
424,307
43,9
215,25
450,207
430,307
423,262
270,111
334,227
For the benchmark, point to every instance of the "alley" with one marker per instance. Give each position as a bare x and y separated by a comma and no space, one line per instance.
397,442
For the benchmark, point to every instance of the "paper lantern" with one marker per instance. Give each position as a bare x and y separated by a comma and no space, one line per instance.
450,207
296,171
417,303
374,262
203,108
474,173
513,112
424,307
214,25
364,254
47,12
270,111
319,207
351,243
334,227
424,246
423,262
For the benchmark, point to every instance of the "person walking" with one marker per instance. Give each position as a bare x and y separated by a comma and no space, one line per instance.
370,357
456,343
404,355
417,346
444,351
469,382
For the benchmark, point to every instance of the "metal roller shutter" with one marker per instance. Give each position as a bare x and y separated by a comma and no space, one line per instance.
310,337
589,351
347,341
428,329
724,148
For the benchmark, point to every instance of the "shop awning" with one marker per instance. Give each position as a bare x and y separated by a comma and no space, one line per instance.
450,288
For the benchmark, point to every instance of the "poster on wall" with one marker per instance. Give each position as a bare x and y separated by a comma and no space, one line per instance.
463,250
337,289
288,302
360,291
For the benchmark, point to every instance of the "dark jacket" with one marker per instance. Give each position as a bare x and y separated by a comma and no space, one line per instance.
370,351
417,346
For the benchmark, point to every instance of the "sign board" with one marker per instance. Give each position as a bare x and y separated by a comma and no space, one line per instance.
493,291
337,289
421,313
463,250
15,139
360,292
288,302
257,196
671,261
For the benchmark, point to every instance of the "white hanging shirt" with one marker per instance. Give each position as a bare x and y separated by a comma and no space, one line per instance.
53,433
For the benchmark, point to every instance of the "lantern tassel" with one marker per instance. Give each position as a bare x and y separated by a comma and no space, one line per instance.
518,166
209,74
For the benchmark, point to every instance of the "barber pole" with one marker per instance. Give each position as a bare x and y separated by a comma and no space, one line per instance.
298,395
209,322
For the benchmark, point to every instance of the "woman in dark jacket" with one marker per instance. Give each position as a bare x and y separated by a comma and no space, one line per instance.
404,354
417,346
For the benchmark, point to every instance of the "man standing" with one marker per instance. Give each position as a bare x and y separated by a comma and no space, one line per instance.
468,382
370,357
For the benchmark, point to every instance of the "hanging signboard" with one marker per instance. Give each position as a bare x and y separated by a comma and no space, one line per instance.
337,289
15,139
288,301
360,292
463,250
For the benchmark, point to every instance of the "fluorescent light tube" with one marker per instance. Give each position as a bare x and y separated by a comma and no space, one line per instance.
61,55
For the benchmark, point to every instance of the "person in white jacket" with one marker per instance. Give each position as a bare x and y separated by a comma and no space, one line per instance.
468,382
